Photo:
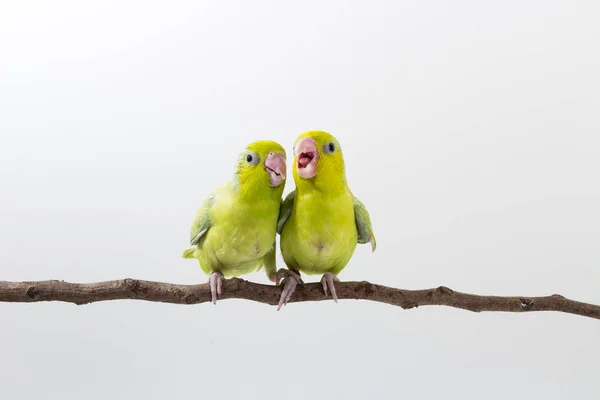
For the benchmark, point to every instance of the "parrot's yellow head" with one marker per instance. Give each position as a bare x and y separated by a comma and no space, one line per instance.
318,159
261,165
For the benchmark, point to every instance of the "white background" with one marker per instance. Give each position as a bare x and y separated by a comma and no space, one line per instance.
470,130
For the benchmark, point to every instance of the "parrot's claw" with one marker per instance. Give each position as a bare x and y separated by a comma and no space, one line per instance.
291,279
216,285
283,273
327,282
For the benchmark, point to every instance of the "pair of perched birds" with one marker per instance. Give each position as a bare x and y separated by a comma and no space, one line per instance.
320,223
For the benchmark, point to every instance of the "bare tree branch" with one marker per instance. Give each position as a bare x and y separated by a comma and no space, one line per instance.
83,293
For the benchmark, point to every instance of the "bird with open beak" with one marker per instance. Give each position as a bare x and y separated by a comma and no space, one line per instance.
320,222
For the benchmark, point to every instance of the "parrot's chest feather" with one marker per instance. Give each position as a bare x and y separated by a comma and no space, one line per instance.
324,231
246,231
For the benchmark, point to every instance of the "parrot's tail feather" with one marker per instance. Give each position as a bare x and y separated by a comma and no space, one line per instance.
189,253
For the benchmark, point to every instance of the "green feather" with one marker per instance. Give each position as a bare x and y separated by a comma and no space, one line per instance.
270,263
201,221
286,210
363,224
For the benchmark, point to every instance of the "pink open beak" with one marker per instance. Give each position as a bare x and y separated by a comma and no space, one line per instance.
275,167
306,157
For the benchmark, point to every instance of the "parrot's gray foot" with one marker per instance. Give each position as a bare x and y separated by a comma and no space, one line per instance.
291,279
216,284
327,282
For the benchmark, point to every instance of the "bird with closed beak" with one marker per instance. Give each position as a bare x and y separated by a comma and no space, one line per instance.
233,232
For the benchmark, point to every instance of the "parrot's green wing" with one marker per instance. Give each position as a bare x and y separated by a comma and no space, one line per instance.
285,210
363,224
201,220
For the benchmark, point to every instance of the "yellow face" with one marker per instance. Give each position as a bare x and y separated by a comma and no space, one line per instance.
317,153
263,160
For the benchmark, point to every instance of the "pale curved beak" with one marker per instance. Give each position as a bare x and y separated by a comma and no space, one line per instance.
275,167
306,157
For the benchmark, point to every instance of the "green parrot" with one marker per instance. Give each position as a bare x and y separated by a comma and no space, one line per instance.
233,232
320,222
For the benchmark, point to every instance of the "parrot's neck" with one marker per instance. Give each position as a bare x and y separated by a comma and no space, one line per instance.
256,190
334,187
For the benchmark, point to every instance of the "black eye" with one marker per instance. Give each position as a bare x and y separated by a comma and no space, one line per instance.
252,158
329,148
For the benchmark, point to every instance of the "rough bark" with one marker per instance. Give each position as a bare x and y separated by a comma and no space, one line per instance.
83,293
